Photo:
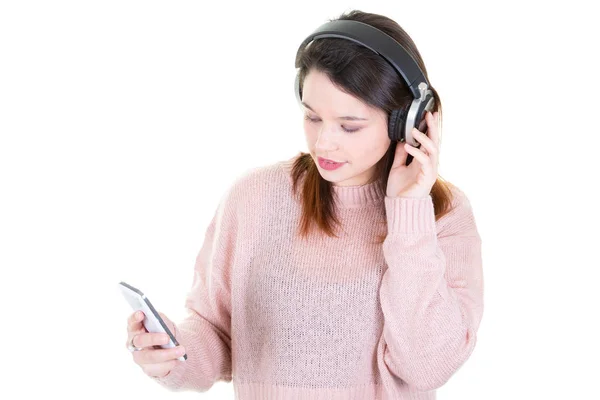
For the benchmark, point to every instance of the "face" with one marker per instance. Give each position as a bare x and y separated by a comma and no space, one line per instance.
342,128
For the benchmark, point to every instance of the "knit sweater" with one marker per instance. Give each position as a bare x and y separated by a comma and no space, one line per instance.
287,317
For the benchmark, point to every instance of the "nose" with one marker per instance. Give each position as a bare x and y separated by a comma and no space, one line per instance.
326,141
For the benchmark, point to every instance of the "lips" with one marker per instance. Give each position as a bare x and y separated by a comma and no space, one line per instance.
330,161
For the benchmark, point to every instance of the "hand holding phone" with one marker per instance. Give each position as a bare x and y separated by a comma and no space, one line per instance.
152,331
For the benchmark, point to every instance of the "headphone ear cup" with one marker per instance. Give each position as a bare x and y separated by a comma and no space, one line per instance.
427,105
392,125
396,123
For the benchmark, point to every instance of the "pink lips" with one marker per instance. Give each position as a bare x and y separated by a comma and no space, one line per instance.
328,164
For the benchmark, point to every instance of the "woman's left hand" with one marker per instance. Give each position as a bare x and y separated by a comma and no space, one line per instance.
416,179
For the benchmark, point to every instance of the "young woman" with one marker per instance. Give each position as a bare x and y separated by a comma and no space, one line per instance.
357,279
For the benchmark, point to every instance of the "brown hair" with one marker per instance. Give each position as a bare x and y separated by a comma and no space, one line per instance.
362,73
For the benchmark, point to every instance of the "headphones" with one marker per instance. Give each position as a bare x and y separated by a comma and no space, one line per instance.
401,121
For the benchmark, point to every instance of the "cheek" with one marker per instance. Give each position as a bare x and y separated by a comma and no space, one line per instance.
369,145
309,130
310,137
371,151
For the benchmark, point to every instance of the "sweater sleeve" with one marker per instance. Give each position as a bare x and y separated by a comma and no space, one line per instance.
431,295
205,332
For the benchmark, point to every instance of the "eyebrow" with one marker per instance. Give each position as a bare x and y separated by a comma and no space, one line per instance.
347,117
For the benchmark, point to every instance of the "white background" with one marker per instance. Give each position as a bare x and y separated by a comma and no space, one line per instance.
123,123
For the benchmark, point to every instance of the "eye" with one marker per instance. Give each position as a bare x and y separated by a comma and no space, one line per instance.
313,121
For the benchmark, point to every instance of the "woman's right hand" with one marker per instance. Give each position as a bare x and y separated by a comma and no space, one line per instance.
154,360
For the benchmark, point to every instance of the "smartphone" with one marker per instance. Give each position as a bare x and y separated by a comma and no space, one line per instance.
152,320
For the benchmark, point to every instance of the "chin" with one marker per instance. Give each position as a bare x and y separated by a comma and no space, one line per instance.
327,175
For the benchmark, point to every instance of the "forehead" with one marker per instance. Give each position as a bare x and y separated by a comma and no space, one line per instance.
317,85
322,97
319,94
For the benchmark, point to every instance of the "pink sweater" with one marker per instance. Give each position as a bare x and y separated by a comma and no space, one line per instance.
330,318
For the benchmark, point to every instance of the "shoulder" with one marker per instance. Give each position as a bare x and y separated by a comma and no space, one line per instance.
460,200
258,184
460,219
262,176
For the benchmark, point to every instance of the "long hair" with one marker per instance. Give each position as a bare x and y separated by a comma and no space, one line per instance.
360,72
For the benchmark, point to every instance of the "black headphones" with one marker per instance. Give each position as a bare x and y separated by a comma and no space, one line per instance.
401,121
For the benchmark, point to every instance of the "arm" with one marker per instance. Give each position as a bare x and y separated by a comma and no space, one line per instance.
206,331
432,292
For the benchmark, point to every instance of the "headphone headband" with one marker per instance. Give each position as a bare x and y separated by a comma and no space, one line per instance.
380,43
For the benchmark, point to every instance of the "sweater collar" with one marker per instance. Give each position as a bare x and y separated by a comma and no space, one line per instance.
358,196
347,196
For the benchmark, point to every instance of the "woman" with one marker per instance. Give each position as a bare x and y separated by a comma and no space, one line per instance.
361,279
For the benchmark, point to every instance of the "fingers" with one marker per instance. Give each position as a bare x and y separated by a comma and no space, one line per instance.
428,141
154,361
135,321
424,159
427,146
155,356
400,155
159,370
427,152
433,130
149,339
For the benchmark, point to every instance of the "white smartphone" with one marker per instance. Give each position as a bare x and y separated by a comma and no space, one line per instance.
152,320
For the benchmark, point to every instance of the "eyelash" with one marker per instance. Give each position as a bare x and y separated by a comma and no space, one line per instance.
306,117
